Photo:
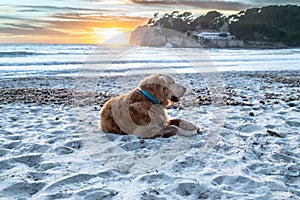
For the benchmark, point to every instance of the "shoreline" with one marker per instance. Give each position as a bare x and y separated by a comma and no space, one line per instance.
133,45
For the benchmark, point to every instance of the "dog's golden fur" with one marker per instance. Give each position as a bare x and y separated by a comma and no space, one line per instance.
133,113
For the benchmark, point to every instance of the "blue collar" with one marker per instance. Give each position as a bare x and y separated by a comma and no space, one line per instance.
149,97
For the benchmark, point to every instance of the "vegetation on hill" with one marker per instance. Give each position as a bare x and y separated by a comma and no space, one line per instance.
270,23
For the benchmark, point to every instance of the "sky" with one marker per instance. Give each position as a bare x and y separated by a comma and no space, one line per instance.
96,21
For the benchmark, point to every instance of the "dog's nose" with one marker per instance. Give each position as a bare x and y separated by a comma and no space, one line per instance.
174,99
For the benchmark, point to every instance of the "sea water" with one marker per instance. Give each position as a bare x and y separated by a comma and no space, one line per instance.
30,60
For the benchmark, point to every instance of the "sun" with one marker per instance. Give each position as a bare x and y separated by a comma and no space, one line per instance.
111,36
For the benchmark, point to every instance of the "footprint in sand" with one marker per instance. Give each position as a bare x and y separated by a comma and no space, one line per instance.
30,160
23,189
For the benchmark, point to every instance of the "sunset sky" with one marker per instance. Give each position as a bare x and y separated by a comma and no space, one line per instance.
94,21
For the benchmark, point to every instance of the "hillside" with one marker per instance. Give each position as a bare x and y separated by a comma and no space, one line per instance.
271,23
267,25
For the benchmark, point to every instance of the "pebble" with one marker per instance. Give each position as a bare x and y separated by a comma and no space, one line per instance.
275,134
60,96
262,101
292,104
181,107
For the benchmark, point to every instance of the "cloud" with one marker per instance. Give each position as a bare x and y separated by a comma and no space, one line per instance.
69,24
273,2
10,17
64,18
219,5
64,8
30,11
24,29
94,17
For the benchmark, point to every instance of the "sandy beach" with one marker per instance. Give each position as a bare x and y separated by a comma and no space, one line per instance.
52,148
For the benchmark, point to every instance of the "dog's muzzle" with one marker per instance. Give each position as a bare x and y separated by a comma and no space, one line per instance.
177,90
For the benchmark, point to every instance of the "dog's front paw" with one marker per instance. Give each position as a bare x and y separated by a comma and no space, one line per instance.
187,126
186,133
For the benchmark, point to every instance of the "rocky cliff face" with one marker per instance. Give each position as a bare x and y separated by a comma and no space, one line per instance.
156,36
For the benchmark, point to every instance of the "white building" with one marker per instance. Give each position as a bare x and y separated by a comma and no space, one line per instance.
215,36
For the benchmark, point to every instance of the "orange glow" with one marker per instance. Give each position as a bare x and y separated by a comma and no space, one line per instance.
111,30
111,36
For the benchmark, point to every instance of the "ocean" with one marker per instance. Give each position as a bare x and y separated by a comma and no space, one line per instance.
30,60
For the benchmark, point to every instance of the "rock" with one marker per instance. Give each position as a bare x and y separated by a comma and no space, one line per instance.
292,104
275,134
262,102
251,114
181,107
249,128
157,36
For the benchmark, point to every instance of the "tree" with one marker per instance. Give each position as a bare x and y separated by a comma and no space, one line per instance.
152,21
175,21
213,20
270,23
186,17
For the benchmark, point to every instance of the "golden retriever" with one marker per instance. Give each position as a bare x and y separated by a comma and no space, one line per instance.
142,111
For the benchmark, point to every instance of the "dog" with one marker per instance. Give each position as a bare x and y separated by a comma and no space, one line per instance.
142,111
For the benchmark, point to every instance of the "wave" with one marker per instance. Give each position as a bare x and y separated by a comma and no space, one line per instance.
88,71
13,54
37,73
150,61
131,69
18,53
91,62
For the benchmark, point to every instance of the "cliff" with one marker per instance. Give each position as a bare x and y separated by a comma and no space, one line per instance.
156,36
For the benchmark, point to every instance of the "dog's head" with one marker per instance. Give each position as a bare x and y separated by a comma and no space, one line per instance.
163,88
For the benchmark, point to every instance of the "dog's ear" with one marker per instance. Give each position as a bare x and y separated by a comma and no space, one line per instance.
148,80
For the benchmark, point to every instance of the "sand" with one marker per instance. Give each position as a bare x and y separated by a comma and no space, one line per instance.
51,146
